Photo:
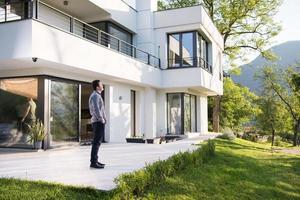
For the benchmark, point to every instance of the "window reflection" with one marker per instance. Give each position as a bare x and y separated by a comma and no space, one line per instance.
181,113
174,50
174,113
64,112
18,106
187,50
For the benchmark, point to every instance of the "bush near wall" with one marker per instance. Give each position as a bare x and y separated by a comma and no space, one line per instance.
134,184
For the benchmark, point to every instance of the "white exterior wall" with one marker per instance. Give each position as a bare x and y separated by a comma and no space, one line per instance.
20,41
57,52
119,11
161,116
202,114
131,3
191,19
119,119
145,23
150,113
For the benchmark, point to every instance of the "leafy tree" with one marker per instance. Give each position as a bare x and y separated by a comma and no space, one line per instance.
273,117
237,105
246,25
284,84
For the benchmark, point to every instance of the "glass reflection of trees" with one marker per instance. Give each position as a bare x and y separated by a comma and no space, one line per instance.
64,111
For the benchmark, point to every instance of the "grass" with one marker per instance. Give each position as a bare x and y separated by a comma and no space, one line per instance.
11,189
239,170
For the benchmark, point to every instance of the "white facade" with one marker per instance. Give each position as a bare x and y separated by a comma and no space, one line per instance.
67,55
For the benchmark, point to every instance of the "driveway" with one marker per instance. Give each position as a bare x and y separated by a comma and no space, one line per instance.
71,166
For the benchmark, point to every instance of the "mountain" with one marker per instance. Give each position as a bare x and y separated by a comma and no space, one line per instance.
288,53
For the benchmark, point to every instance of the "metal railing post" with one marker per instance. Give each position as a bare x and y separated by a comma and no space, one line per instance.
159,66
72,24
37,9
5,12
98,36
134,52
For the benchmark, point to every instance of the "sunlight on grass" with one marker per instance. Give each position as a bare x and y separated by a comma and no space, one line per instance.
240,170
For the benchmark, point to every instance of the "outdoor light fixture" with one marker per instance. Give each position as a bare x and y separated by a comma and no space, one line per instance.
66,3
34,59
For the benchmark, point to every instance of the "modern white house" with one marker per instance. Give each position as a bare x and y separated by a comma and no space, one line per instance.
158,68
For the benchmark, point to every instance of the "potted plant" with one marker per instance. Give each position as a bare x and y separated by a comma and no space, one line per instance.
36,134
136,139
155,140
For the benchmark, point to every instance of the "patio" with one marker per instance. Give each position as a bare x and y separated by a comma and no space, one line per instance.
71,166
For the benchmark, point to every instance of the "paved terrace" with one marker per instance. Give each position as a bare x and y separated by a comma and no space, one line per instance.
71,166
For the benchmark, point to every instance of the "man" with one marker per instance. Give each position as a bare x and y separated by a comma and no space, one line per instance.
96,106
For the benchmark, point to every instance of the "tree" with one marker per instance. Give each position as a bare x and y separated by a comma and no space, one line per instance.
246,25
284,84
237,105
273,116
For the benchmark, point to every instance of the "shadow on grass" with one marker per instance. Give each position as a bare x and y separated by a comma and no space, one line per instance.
22,189
235,176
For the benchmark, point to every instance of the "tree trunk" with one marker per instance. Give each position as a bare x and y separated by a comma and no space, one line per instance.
273,136
216,114
297,129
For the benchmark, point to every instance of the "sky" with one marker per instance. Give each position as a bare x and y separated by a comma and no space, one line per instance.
289,16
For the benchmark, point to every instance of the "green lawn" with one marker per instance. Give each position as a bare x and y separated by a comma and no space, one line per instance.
23,190
239,170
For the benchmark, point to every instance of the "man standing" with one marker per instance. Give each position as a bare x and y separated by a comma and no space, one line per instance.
96,106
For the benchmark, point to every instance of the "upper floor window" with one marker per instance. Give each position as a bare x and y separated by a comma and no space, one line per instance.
188,49
122,39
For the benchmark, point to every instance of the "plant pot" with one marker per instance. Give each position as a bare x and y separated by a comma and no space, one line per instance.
154,141
38,144
135,140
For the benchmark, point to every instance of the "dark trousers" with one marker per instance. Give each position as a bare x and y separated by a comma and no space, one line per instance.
98,131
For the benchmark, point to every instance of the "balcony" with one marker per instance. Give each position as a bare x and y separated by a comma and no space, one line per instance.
188,62
51,16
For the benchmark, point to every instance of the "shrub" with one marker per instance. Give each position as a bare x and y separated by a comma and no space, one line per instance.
250,137
134,184
277,141
227,136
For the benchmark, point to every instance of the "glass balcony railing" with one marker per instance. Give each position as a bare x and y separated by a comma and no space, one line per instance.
26,9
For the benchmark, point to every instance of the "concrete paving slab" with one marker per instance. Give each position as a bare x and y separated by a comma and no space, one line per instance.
71,166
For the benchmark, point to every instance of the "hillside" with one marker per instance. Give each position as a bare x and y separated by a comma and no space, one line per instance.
288,53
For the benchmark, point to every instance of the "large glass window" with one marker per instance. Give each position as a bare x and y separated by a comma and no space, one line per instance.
193,114
64,112
181,49
18,109
181,113
187,50
187,113
203,52
14,10
121,41
174,50
174,113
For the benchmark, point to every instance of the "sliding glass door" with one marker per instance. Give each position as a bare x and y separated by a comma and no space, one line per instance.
174,113
64,111
181,111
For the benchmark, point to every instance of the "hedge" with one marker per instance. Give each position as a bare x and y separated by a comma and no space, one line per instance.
134,184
